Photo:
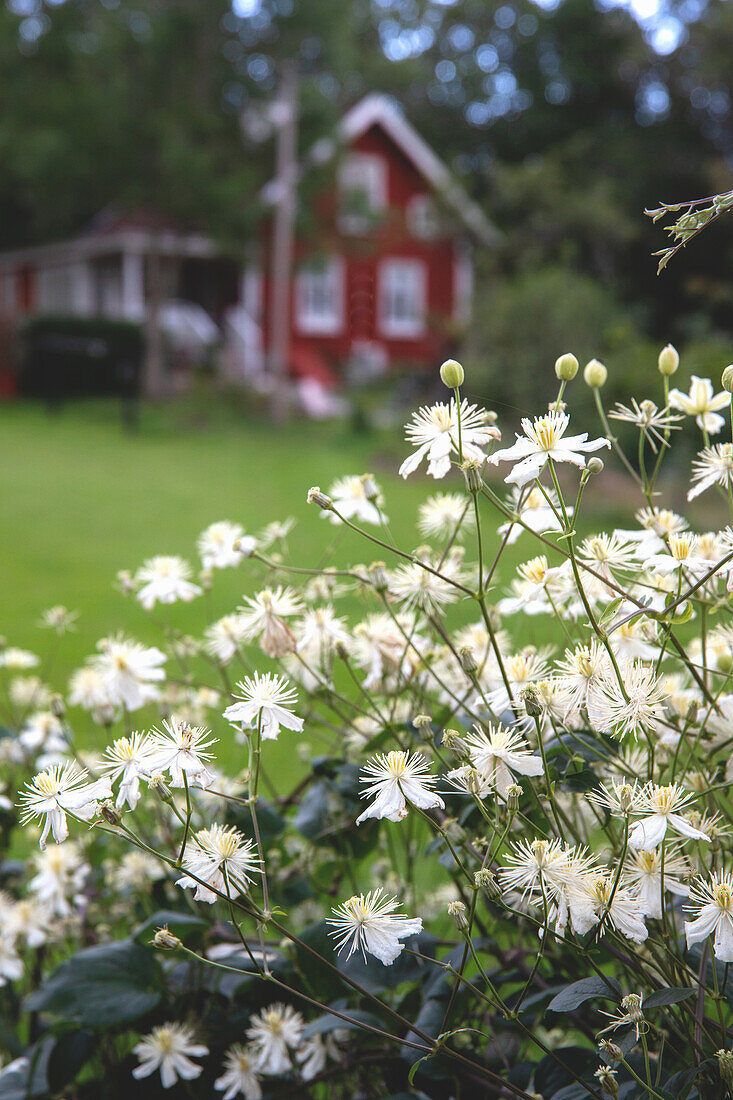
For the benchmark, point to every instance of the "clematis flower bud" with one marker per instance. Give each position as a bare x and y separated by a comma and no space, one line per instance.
469,664
566,367
158,784
472,473
513,794
371,489
607,1080
725,1065
315,496
453,741
457,910
378,576
726,378
668,360
58,706
452,374
165,940
486,880
595,374
531,701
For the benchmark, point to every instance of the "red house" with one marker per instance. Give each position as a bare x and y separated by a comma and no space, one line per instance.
386,277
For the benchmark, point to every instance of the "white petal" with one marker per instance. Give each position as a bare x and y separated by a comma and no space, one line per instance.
168,1075
527,470
649,832
412,462
686,829
520,449
723,942
526,765
144,1070
701,928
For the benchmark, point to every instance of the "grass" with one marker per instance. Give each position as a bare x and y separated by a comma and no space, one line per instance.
80,500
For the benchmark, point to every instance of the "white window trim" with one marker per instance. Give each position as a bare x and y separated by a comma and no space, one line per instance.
417,208
402,327
320,324
369,170
463,285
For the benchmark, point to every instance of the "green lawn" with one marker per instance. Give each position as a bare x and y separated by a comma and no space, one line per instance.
80,500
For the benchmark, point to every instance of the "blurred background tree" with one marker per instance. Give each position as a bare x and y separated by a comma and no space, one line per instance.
564,118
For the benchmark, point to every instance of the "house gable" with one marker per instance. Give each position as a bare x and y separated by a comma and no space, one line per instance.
378,113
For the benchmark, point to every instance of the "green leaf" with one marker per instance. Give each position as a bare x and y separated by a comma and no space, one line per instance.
430,1022
329,1022
610,611
27,1079
575,994
583,780
679,1084
555,1073
576,1091
312,816
182,925
667,997
102,986
69,1055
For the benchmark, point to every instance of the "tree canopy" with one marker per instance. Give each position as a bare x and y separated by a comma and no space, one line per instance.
565,120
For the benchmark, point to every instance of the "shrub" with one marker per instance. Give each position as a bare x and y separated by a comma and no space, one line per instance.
497,870
68,357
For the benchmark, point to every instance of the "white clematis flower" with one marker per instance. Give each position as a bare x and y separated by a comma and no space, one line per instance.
165,579
169,1048
661,809
273,1033
63,788
498,753
356,498
702,403
129,671
434,431
239,1075
265,700
713,903
369,923
127,759
224,544
221,857
181,750
397,778
544,438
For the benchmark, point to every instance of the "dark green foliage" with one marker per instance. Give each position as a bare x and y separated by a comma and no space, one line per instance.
107,985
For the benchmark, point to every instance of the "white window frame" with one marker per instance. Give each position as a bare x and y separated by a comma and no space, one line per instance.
463,284
320,322
422,217
400,269
365,172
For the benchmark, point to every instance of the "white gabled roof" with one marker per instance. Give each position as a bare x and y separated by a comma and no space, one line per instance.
376,109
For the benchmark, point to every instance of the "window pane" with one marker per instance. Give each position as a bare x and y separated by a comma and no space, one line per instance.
319,296
363,192
402,294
